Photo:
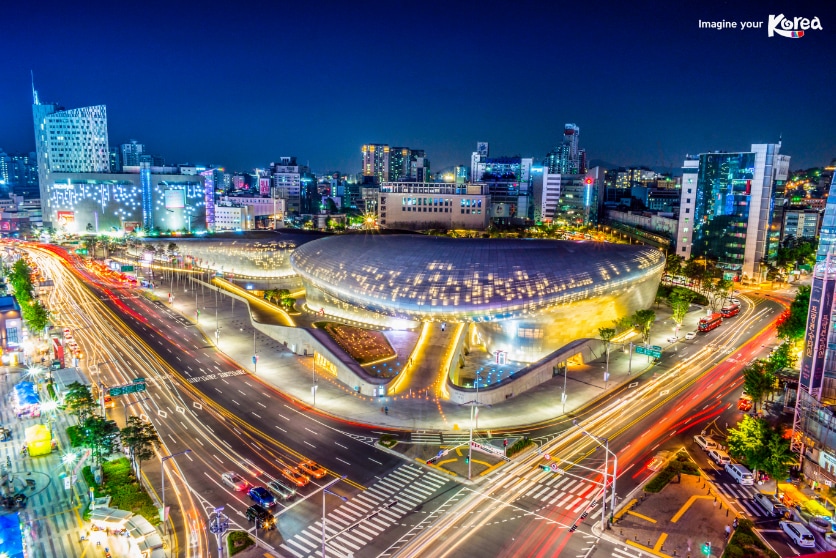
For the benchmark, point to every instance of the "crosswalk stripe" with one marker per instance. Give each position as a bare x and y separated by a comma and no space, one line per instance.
583,504
368,529
288,549
569,487
557,480
353,538
574,503
566,498
353,504
618,551
295,541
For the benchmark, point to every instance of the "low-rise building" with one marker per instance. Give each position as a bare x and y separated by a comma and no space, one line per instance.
421,206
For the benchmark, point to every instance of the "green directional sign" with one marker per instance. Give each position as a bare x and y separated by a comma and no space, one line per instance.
655,352
135,387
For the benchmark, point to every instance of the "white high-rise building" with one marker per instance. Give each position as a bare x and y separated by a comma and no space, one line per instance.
68,141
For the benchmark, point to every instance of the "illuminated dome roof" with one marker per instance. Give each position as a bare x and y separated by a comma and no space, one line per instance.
477,279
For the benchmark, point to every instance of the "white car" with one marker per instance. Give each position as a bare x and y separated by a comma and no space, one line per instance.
673,339
235,481
705,442
690,335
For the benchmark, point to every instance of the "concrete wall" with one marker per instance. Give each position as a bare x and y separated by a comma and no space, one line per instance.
529,377
304,342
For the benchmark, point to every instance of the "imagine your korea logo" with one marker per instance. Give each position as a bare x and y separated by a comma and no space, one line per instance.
791,28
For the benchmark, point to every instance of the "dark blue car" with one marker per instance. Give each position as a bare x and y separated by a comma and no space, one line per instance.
262,496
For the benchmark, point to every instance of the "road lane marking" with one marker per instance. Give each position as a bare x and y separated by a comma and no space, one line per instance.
282,429
342,446
376,461
284,417
310,444
234,401
340,460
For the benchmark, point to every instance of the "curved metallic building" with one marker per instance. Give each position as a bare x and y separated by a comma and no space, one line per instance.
524,297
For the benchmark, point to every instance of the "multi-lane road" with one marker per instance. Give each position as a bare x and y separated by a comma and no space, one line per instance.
231,421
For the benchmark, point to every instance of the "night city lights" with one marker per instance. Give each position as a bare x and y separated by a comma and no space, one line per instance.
320,280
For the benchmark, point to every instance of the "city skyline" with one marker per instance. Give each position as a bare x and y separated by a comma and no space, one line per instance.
222,93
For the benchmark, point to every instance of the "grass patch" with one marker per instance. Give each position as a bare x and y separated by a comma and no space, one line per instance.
680,466
745,543
119,482
388,440
238,541
519,446
74,434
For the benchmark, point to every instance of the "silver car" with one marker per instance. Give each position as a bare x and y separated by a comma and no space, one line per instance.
281,490
235,481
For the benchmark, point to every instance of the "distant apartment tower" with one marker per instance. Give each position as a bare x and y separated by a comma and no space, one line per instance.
131,153
568,157
395,164
68,141
376,162
477,161
287,177
726,207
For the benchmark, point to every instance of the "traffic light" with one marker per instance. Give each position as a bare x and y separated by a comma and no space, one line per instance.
432,460
546,467
466,460
505,443
706,548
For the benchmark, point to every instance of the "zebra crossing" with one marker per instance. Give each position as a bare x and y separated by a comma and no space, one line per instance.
743,495
627,552
355,523
561,491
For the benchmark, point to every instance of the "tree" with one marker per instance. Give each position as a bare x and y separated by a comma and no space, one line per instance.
793,328
680,300
139,437
782,357
674,264
79,401
717,292
100,436
758,381
623,324
778,457
606,334
36,315
643,319
288,302
749,441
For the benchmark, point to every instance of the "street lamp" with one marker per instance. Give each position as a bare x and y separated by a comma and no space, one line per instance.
314,385
606,446
68,459
162,475
563,397
218,525
343,498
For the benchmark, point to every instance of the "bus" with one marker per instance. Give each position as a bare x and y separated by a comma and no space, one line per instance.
711,322
731,310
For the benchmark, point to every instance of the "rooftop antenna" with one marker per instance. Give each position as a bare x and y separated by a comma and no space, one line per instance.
34,91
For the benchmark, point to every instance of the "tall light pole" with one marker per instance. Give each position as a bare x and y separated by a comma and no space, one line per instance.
217,323
218,525
162,475
563,397
606,446
313,378
343,498
255,354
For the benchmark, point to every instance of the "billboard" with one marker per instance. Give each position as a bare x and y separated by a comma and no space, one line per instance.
815,338
65,217
175,199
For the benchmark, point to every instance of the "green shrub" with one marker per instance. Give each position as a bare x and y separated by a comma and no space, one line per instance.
238,541
519,445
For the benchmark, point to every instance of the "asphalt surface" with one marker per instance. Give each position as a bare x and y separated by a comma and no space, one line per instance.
230,420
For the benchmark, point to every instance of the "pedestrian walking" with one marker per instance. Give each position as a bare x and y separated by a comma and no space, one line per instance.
735,523
728,531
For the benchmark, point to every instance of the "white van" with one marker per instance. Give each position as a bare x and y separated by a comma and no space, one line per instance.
740,473
799,534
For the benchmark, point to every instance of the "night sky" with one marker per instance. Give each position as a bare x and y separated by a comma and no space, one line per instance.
239,84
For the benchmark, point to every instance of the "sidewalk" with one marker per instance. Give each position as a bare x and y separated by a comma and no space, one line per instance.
292,374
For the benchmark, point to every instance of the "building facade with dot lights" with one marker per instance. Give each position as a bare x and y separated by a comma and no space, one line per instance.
521,298
114,202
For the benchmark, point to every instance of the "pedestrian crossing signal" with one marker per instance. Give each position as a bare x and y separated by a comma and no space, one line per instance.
573,528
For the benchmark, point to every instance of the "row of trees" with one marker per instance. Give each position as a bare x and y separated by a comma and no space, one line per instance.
760,447
102,436
281,297
33,311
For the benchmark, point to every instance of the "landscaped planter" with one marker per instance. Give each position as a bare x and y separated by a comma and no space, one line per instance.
819,524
